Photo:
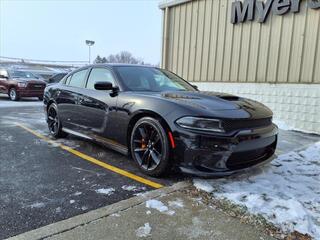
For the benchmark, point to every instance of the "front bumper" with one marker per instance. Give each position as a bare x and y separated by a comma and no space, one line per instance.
208,155
31,93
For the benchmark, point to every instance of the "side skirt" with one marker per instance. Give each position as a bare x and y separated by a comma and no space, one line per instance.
104,141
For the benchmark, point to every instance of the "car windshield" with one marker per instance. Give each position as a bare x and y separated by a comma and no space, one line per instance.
22,74
151,79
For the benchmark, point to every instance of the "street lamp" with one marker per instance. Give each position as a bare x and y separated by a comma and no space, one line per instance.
89,43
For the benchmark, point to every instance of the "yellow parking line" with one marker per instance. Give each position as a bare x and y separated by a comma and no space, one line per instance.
93,160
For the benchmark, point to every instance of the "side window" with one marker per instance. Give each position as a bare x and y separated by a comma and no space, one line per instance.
78,78
67,81
99,75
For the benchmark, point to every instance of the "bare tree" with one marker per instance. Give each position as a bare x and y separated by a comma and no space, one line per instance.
122,57
100,59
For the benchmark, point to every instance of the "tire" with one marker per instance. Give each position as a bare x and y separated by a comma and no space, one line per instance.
13,95
54,123
150,147
40,98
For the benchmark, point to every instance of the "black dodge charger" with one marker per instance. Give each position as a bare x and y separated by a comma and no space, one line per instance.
161,120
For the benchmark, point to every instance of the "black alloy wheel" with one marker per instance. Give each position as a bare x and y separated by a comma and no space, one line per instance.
150,146
54,123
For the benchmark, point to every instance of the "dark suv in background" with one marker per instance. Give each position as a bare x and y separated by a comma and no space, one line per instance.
57,77
18,84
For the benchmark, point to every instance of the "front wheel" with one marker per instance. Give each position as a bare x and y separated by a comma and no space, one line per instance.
13,94
150,147
54,123
40,98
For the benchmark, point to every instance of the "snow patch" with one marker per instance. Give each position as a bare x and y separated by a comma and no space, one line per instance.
133,188
176,204
37,205
7,138
105,191
158,205
285,192
144,231
203,185
115,215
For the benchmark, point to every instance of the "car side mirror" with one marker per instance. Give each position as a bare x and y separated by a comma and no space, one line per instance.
103,86
4,74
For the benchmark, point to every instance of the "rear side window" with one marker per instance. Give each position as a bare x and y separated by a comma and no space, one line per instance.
78,79
99,75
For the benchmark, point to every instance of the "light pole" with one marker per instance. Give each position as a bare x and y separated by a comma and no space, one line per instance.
90,43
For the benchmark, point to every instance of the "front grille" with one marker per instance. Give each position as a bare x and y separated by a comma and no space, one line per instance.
230,125
36,86
239,160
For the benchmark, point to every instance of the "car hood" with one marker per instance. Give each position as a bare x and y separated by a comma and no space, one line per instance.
31,80
216,101
205,100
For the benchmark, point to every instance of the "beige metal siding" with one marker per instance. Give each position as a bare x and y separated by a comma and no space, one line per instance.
203,45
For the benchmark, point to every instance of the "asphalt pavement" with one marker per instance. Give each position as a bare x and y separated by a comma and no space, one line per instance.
42,183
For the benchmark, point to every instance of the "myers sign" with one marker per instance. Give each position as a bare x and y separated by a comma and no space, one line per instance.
247,9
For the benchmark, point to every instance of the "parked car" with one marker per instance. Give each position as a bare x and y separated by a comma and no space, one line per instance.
21,84
56,77
161,120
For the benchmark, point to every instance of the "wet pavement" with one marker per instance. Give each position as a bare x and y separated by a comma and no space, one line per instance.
41,183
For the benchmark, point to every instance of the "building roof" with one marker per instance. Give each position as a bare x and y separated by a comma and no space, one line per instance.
170,3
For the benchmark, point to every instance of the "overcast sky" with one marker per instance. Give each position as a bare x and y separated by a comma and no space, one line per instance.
57,29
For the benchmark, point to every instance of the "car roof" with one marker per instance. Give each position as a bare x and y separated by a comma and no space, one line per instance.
120,65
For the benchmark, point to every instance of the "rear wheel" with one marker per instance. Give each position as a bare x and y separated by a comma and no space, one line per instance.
13,94
54,123
150,147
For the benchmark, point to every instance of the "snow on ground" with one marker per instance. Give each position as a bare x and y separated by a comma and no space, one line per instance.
144,231
106,191
25,120
285,192
30,102
115,215
176,203
158,205
37,205
133,188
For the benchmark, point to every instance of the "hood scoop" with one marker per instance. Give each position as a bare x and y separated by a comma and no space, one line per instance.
230,98
224,96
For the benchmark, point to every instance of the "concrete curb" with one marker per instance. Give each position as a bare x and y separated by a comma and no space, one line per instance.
71,223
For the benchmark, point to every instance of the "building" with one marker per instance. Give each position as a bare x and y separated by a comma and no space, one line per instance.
267,50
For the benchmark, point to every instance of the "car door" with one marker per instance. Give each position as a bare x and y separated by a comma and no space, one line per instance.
96,107
68,96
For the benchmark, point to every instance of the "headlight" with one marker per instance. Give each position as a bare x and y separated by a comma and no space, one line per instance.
203,124
22,84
